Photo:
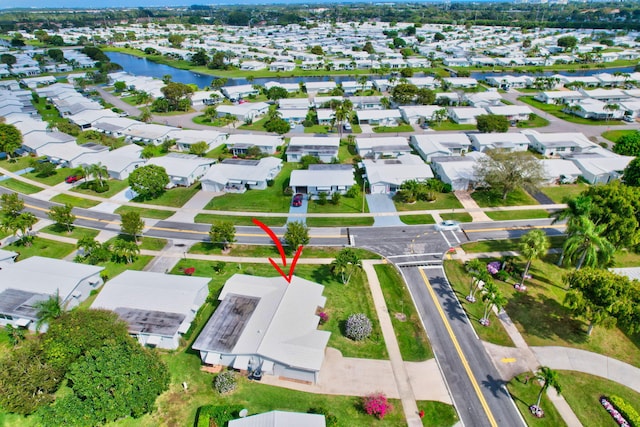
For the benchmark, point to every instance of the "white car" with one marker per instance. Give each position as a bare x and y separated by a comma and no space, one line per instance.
448,225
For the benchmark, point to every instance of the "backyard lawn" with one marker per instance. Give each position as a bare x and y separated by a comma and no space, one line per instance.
17,163
450,125
560,193
443,201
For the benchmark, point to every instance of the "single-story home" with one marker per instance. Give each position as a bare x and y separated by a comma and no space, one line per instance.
33,142
390,146
386,175
440,144
602,167
7,257
25,283
238,143
183,169
596,110
457,171
328,179
268,324
559,143
511,112
560,171
465,115
119,162
114,126
418,113
69,154
483,99
320,87
280,419
504,141
236,175
366,102
148,133
186,138
379,117
235,93
244,112
568,97
158,307
324,148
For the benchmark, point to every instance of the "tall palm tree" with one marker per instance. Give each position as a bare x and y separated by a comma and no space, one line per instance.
586,246
345,264
532,245
126,249
475,268
549,378
99,171
48,309
576,207
491,297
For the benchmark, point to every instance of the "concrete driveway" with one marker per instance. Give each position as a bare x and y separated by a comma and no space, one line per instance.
382,204
302,209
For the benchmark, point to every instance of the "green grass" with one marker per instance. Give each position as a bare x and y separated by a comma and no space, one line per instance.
493,199
58,177
77,202
115,187
16,163
272,221
174,197
258,125
437,414
148,243
344,205
505,245
392,129
460,217
321,129
450,125
443,201
112,269
516,215
583,392
145,213
271,199
460,283
76,232
556,110
348,221
527,394
624,258
131,100
615,135
417,219
347,153
42,247
260,251
19,186
537,122
412,339
560,193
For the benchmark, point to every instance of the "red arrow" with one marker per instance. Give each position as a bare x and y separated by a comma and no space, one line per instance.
276,240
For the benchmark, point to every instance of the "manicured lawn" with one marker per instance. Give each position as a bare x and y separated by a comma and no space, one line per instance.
626,259
174,197
19,186
449,125
556,110
460,217
112,269
344,205
515,215
58,177
615,135
583,391
537,122
417,219
493,199
16,164
76,232
148,243
460,282
76,202
505,245
560,193
145,213
526,395
271,199
412,339
348,221
42,247
347,153
321,129
443,201
275,221
115,187
392,129
437,414
256,126
254,251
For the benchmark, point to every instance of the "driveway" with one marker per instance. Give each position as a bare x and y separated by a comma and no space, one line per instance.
382,204
302,209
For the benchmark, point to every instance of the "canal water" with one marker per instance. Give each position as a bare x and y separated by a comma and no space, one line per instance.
143,67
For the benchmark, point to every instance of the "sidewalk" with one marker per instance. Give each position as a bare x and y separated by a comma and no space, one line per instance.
470,205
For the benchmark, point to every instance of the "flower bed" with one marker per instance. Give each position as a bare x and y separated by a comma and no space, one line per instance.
536,411
614,412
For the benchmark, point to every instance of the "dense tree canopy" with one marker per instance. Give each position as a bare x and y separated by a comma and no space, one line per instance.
10,138
506,171
628,145
631,174
567,42
488,123
149,181
297,234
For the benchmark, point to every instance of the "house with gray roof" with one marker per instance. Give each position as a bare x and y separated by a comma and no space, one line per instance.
503,141
324,148
238,175
183,169
158,321
185,138
389,146
328,179
239,143
457,171
119,162
268,324
387,175
280,419
440,144
25,283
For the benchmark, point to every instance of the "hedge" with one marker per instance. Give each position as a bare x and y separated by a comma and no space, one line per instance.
626,410
220,415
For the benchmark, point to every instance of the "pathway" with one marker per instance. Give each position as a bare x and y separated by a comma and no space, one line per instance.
470,205
195,205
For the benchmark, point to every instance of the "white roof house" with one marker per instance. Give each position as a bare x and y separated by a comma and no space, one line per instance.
119,162
7,257
320,87
440,144
148,133
280,419
183,169
465,115
35,141
601,169
390,146
238,92
26,282
266,323
114,125
511,112
559,96
379,117
558,171
185,138
86,118
158,307
418,113
67,154
328,179
235,175
244,112
238,143
559,143
457,171
386,175
504,141
325,148
483,99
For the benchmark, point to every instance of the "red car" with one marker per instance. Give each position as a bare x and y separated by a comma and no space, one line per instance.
297,200
72,178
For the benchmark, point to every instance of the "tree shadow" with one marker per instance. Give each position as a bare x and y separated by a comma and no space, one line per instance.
495,386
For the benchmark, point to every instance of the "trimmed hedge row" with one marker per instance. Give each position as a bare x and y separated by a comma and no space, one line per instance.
626,410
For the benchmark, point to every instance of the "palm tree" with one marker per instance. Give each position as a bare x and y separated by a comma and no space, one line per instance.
345,264
48,309
98,170
532,245
126,249
549,378
491,297
586,245
475,268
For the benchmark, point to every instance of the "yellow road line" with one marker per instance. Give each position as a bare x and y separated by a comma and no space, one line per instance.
463,359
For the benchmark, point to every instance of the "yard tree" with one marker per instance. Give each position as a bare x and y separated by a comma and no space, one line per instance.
19,225
478,271
437,37
296,235
277,92
533,245
148,152
597,295
200,58
491,296
48,309
631,174
125,250
131,224
8,59
119,86
56,54
218,83
549,378
425,96
200,148
11,204
628,145
488,123
346,263
223,232
567,42
149,181
62,216
577,207
99,172
175,92
317,50
10,138
404,93
175,40
277,125
211,112
586,246
506,171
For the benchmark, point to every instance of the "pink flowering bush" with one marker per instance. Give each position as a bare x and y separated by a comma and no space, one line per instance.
493,267
324,317
376,404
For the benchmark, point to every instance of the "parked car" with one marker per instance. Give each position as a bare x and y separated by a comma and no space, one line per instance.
448,225
297,200
72,178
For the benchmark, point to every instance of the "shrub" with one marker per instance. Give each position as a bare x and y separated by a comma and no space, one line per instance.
225,382
322,198
626,410
503,275
220,415
335,198
324,317
377,405
353,192
358,327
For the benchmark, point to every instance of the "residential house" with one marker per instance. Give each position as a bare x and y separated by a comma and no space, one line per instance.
235,93
114,126
605,95
328,179
600,166
34,141
366,102
390,146
7,257
596,110
465,115
148,133
119,162
513,113
440,144
320,87
280,419
324,148
387,175
568,97
504,141
252,66
282,66
294,104
186,138
419,113
461,82
457,171
483,99
559,143
245,112
238,175
379,117
238,143
25,283
69,154
560,171
183,169
267,324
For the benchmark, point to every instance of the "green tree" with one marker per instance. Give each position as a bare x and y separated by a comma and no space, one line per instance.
296,235
131,224
175,92
7,58
577,207
56,54
346,263
125,250
567,42
492,297
628,145
10,138
62,216
56,40
48,310
585,245
479,274
175,40
119,86
200,148
200,58
223,232
488,123
11,204
317,50
19,226
549,378
149,181
533,245
404,93
631,174
437,37
277,92
506,171
99,172
425,96
148,152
